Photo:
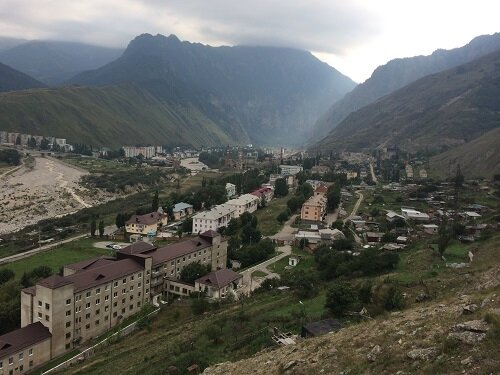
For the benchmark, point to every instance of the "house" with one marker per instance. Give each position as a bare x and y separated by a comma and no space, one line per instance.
471,215
219,284
372,237
390,216
264,192
217,217
475,230
293,260
230,190
403,240
95,295
321,190
409,171
147,224
314,209
244,203
328,235
182,210
320,328
431,228
320,169
412,214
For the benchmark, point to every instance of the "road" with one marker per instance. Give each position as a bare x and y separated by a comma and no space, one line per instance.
374,178
353,213
52,245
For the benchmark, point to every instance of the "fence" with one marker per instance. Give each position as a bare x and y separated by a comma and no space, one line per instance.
87,353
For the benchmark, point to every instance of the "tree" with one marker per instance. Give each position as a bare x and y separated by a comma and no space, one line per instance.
156,202
32,142
233,227
306,190
44,144
93,227
280,188
199,306
333,198
393,299
6,274
283,216
340,298
187,225
120,220
250,235
444,237
179,232
193,271
212,333
245,218
101,228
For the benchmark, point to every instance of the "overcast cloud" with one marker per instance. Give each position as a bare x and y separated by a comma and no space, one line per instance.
354,36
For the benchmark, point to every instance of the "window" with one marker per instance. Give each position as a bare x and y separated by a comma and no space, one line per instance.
78,297
11,360
114,314
87,326
131,297
106,287
116,283
123,300
106,318
106,298
98,291
21,368
30,352
139,304
123,311
139,285
139,294
124,281
96,322
68,345
1,365
132,278
68,313
140,275
68,324
98,301
106,308
68,301
47,306
147,291
47,318
21,356
124,291
172,263
115,294
87,295
131,307
87,305
87,316
97,312
68,335
31,364
115,304
131,287
40,303
39,315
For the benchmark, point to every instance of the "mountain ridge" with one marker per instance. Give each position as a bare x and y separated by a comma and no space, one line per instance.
12,80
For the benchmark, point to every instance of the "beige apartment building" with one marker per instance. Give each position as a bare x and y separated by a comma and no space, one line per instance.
146,224
94,295
314,209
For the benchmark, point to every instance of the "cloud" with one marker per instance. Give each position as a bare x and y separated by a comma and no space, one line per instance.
329,26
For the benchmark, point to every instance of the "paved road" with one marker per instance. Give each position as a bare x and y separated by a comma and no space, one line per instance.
52,245
374,178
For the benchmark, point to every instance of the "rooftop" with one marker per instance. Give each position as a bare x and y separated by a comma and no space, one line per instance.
216,212
147,219
22,338
219,278
181,206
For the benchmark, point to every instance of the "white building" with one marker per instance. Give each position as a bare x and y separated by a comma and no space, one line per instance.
412,214
217,217
245,203
132,152
230,190
290,169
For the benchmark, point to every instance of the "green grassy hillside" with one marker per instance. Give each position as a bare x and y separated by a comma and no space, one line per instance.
435,112
478,158
114,116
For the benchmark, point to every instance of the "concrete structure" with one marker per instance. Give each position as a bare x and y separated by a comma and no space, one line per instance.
230,190
314,209
373,237
409,171
290,169
430,228
132,152
94,295
320,169
218,216
182,210
244,203
412,214
147,224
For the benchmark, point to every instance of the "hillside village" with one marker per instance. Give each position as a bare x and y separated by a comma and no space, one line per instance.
201,248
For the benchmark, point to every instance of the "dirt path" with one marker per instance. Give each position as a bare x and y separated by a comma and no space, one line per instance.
374,178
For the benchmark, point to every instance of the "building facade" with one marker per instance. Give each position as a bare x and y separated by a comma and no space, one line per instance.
147,224
314,209
244,203
217,217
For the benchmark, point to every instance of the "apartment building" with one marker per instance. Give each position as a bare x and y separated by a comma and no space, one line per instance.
244,203
218,216
146,224
93,296
290,169
264,192
230,190
314,209
182,210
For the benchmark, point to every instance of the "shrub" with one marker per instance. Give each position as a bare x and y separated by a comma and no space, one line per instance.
340,298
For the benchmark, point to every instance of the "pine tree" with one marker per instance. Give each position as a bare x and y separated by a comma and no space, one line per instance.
93,227
156,202
101,228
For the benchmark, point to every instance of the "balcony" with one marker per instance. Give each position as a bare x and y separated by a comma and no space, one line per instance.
156,282
156,273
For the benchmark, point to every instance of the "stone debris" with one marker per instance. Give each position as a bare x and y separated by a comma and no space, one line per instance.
467,337
470,309
423,354
472,326
372,356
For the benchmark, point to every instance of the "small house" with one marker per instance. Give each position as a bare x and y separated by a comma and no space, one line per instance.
219,284
430,228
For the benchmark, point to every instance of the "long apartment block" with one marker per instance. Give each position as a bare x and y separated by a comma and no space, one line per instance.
92,296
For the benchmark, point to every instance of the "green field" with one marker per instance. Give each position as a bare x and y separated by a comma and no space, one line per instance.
266,217
306,262
57,257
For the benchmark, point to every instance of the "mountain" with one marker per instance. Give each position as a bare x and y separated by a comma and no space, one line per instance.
11,80
277,93
114,116
55,62
6,42
397,74
477,158
438,111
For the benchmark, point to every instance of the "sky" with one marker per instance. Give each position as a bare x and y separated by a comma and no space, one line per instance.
354,36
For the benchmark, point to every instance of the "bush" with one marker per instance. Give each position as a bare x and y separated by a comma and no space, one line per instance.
200,306
340,298
394,299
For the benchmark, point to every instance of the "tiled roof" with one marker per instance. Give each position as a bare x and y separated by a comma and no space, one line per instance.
166,253
219,278
138,247
54,282
147,219
22,338
90,263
